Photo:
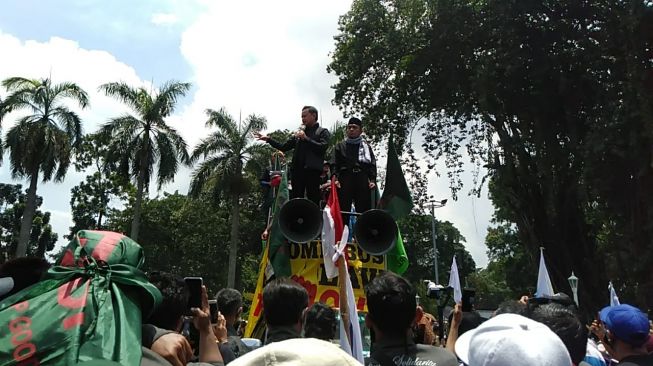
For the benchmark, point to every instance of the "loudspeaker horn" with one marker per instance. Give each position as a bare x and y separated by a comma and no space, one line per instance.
300,220
376,232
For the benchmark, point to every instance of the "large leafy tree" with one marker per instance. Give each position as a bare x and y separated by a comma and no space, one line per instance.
12,206
553,97
41,143
144,139
90,200
226,151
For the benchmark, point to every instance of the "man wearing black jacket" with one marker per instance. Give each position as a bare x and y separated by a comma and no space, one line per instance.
392,311
355,169
310,145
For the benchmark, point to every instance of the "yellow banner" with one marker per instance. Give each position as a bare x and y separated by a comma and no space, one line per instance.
308,270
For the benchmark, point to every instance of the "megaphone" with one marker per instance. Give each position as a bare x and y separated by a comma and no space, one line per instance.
300,220
375,232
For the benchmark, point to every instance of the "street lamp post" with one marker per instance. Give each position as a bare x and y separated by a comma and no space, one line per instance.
434,205
573,283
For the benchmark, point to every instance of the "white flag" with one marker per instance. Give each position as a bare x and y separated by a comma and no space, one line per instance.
328,244
614,299
544,287
355,349
454,282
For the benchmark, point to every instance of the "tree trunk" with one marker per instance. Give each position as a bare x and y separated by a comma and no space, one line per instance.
136,221
233,246
28,216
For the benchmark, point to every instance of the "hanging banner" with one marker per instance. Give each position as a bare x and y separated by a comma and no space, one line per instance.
307,267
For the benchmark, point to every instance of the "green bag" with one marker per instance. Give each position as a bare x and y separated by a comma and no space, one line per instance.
88,306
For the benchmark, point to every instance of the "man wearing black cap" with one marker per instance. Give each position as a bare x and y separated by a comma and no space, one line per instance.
355,170
627,332
310,145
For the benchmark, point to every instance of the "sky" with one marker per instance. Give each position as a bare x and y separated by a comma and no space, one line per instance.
248,56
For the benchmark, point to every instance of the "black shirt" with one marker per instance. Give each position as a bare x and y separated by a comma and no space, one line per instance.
309,153
391,352
640,360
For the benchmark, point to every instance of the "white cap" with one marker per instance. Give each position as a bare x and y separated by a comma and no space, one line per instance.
297,352
6,285
511,339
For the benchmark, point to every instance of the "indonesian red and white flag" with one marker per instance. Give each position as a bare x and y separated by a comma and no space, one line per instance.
331,229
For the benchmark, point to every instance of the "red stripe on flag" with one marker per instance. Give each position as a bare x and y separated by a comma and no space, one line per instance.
107,244
334,207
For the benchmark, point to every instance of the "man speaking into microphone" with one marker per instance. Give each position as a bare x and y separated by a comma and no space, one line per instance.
310,145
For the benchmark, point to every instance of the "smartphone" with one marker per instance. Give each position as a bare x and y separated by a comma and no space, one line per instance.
213,307
468,300
195,291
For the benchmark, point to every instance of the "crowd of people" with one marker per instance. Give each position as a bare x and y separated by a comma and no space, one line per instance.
537,331
545,331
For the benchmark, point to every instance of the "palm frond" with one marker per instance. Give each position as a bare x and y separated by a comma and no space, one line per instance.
215,143
167,157
253,123
222,120
134,98
72,91
70,122
178,142
15,83
203,172
165,101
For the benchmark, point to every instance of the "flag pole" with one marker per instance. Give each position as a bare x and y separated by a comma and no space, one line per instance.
344,306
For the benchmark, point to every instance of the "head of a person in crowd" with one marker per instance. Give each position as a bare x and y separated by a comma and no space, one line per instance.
627,330
309,116
424,330
326,168
230,304
174,301
284,303
20,273
564,322
469,321
354,128
320,322
511,307
511,339
392,307
297,352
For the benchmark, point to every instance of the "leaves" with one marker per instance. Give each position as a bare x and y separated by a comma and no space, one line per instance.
553,98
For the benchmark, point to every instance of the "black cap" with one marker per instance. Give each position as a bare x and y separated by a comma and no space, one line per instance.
355,121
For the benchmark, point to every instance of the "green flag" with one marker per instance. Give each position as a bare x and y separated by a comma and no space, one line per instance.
89,306
397,201
279,256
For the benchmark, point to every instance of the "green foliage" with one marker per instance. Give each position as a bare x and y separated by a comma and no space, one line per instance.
90,200
552,97
139,142
416,230
226,153
12,205
43,141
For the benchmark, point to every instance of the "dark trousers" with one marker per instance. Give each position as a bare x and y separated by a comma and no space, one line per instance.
306,181
354,187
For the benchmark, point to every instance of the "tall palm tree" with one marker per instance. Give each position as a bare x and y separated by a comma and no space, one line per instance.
144,139
225,153
42,142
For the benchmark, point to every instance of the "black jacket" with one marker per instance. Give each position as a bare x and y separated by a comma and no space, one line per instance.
308,154
343,162
391,352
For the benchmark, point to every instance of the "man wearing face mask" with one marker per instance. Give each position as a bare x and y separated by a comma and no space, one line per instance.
355,170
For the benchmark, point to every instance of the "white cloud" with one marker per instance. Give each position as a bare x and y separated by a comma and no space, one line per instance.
164,19
64,60
270,58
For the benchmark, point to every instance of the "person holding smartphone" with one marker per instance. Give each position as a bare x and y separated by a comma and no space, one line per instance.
162,341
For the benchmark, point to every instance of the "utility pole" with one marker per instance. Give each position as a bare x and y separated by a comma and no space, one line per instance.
434,236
